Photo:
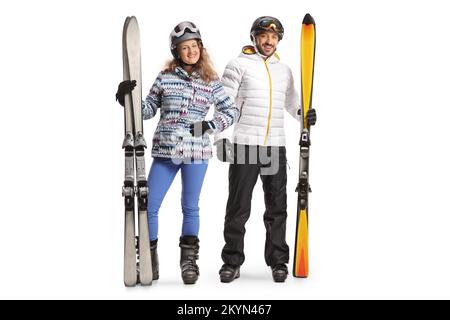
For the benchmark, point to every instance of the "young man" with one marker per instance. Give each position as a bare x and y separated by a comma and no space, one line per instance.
262,88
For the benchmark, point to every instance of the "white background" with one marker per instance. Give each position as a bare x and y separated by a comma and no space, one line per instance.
379,214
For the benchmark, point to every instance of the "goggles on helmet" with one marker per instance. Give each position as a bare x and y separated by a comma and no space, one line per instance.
268,24
181,28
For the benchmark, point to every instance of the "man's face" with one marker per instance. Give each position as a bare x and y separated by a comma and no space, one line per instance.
267,42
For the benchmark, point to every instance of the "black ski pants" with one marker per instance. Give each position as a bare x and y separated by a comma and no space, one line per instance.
242,179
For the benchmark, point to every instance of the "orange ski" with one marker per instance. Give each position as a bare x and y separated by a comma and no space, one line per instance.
308,45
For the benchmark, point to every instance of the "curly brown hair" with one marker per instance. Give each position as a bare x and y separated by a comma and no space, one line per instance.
204,66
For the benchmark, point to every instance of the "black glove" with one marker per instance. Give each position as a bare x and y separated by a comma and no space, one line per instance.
200,128
311,117
124,88
224,150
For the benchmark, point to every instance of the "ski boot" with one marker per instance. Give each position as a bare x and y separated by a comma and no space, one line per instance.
229,272
279,272
189,254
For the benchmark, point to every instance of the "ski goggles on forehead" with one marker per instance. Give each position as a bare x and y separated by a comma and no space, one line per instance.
181,28
268,24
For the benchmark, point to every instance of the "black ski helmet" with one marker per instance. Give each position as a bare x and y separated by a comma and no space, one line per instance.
266,23
185,30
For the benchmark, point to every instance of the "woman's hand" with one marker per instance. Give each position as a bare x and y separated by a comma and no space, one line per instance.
200,128
124,88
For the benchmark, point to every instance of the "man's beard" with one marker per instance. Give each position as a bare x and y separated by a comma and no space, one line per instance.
261,51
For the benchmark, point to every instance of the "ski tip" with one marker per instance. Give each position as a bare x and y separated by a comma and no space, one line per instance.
308,19
127,20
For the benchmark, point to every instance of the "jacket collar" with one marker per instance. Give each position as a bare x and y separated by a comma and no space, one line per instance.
252,53
184,74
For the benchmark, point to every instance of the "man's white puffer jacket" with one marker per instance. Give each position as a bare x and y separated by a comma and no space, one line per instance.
261,89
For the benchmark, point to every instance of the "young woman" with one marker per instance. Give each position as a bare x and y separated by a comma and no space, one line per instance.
183,92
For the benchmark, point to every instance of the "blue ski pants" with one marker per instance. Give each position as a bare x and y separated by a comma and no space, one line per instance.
162,173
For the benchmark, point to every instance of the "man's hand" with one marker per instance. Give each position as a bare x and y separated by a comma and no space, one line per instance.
311,117
224,150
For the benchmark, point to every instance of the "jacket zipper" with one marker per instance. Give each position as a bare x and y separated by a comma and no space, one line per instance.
270,103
